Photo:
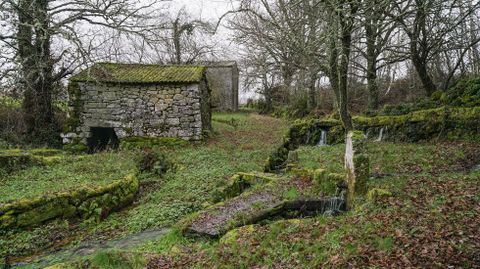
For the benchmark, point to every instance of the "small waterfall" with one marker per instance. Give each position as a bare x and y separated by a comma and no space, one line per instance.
323,138
380,135
334,206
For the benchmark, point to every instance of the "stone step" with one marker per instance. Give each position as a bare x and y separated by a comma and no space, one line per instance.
279,199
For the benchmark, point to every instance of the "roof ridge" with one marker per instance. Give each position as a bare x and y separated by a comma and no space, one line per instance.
159,65
140,73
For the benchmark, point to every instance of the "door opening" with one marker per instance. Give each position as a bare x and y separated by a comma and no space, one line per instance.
102,138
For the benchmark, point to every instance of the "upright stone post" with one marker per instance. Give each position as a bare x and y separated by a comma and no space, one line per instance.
356,165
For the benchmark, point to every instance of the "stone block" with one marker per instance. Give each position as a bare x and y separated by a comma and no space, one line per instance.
356,166
172,121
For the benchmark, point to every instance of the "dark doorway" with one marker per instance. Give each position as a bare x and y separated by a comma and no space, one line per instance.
102,138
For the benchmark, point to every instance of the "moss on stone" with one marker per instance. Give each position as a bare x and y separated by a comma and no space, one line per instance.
139,142
232,236
76,146
377,194
327,182
76,107
140,73
86,202
16,159
240,182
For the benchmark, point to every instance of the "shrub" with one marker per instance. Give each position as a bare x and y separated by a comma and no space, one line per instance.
465,92
297,108
154,162
12,126
13,131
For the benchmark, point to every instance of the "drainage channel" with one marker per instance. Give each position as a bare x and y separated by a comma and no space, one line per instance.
88,248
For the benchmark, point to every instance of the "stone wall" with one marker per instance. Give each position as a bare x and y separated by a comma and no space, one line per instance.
83,203
171,110
223,80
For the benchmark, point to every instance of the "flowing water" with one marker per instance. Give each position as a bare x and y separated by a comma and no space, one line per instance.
88,248
380,135
323,138
334,206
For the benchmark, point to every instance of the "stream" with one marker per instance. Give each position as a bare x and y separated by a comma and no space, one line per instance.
88,248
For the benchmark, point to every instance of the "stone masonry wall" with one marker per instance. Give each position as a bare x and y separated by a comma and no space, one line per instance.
140,110
223,80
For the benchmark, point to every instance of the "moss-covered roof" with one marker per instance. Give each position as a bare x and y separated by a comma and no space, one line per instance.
140,73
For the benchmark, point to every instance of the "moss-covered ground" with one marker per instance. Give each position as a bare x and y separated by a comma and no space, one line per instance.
240,143
431,220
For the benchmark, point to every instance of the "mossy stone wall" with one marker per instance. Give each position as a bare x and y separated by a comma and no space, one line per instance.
302,132
84,203
16,159
149,110
445,123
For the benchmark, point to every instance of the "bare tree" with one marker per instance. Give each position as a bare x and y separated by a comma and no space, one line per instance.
189,38
378,29
342,25
431,27
32,28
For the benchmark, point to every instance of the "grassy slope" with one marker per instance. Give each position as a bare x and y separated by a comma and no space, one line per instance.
241,144
70,172
432,220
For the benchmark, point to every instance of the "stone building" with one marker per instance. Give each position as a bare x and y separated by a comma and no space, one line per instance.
112,101
222,79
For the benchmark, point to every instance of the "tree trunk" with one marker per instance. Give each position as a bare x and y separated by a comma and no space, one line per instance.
370,32
312,93
176,41
372,84
419,47
421,68
267,93
287,76
346,41
333,70
37,68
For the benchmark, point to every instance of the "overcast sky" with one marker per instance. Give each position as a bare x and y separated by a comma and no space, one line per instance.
212,10
207,9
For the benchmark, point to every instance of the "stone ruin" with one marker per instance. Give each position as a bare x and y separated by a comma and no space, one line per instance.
222,78
110,101
356,166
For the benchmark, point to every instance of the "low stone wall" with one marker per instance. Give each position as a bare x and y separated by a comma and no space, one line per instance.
444,123
16,159
84,203
239,182
302,132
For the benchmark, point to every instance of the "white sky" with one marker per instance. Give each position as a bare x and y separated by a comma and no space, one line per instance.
212,10
207,9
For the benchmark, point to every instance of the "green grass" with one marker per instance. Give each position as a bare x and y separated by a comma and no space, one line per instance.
429,221
386,157
70,172
200,169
